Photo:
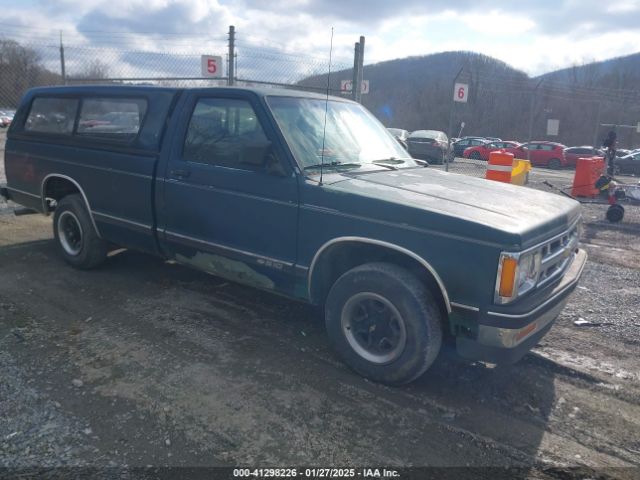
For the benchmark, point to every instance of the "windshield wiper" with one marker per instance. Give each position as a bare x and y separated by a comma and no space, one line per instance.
385,165
422,163
332,164
394,160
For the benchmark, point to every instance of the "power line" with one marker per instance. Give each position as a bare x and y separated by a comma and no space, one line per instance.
121,32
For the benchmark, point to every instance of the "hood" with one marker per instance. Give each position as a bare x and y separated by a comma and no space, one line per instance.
501,213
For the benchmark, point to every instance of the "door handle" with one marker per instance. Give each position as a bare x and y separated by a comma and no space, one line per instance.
180,173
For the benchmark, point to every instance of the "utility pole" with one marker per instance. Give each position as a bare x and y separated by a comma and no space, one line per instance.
356,66
232,55
62,66
531,107
450,131
358,86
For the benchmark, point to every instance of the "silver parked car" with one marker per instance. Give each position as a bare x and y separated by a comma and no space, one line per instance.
431,145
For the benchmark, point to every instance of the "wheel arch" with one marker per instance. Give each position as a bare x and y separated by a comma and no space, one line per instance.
341,254
64,185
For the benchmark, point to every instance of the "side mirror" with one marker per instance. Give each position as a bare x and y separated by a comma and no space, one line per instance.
273,165
261,157
255,153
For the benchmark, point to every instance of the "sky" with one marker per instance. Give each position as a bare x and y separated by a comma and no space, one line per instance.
535,36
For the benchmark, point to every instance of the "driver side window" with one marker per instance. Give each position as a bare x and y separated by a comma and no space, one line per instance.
225,132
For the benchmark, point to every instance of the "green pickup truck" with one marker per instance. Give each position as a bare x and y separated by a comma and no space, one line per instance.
305,196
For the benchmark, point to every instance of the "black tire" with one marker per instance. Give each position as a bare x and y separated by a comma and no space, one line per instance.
75,236
411,308
615,213
555,164
476,156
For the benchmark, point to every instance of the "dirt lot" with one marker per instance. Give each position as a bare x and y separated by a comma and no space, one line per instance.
144,362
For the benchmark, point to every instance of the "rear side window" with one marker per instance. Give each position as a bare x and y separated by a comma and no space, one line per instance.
52,115
113,119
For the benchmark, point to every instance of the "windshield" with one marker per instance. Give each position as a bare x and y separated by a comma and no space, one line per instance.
353,137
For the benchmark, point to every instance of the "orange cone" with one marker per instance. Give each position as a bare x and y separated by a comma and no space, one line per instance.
500,166
588,171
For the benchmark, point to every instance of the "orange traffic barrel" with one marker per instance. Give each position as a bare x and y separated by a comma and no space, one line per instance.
500,166
588,171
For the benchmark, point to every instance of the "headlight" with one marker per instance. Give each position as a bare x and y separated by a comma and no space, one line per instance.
517,274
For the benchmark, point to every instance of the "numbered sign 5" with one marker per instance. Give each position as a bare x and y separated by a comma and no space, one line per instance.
460,92
211,66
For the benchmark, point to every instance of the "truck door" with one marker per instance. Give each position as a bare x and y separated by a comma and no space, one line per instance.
230,202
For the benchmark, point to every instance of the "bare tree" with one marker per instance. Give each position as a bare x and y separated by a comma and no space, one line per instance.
95,70
20,69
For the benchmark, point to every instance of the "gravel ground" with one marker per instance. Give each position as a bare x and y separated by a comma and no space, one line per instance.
35,429
144,362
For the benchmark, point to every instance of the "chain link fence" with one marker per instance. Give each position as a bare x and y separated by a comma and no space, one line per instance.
413,94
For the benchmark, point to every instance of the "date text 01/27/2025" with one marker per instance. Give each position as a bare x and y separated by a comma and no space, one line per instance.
315,472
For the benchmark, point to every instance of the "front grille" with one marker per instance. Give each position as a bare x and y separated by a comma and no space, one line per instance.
557,254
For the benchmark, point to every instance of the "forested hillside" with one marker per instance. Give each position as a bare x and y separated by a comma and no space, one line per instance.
416,93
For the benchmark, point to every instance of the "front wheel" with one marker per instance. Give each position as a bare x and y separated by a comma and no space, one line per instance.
555,164
384,323
77,239
615,213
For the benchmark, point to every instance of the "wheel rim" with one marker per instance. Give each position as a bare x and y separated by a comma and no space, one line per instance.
70,233
475,156
374,327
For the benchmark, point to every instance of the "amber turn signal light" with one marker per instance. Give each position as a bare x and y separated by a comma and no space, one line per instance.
508,277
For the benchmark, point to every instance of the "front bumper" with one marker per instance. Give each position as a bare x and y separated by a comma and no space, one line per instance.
507,337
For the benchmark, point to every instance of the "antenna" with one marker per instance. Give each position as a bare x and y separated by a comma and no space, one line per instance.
326,107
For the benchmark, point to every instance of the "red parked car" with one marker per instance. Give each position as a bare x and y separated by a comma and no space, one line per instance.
481,152
543,154
572,154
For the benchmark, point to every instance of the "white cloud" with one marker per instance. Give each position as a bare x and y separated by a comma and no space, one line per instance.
535,36
625,6
497,23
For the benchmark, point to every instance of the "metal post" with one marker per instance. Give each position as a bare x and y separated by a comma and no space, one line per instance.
232,56
62,66
531,107
597,127
356,65
450,131
358,86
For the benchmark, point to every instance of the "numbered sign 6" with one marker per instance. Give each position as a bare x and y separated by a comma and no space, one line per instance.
211,66
460,92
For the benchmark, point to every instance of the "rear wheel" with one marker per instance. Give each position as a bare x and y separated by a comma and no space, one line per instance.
476,156
75,235
615,213
384,323
555,163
